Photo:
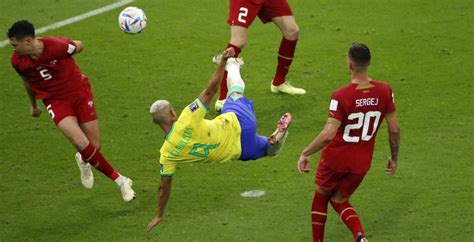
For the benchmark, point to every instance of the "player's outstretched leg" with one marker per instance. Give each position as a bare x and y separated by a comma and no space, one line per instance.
278,138
87,177
223,89
235,84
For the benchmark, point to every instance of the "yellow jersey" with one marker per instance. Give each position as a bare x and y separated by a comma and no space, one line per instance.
195,139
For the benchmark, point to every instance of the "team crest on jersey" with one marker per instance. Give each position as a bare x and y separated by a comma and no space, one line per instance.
193,106
90,103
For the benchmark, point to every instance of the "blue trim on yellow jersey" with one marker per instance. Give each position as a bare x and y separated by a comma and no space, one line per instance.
169,132
207,108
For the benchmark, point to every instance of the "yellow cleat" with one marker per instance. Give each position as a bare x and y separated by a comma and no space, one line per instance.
287,88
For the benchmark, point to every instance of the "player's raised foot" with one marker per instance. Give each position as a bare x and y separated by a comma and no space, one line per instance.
278,138
126,189
87,177
217,59
282,129
361,238
219,105
287,88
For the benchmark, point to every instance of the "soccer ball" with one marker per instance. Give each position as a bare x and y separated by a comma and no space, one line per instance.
132,20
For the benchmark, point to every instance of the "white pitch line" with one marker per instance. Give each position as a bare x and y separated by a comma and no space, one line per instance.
76,18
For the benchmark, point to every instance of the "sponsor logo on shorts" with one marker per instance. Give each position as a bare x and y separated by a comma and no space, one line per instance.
90,103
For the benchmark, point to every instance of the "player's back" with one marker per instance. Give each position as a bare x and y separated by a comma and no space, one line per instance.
360,109
54,74
193,138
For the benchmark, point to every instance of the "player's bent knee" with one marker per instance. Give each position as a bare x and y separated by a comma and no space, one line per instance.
323,191
338,198
292,33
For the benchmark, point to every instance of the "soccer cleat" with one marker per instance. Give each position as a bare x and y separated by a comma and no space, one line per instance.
217,59
361,238
281,131
87,177
127,192
278,138
287,88
219,105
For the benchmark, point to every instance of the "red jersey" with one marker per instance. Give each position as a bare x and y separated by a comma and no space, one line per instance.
360,111
55,73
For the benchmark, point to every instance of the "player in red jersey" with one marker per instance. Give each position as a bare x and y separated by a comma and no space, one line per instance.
355,114
50,73
242,13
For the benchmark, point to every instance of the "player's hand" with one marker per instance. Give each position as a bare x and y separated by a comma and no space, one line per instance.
391,167
303,164
228,53
35,112
155,221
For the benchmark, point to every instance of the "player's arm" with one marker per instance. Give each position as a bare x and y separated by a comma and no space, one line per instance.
164,191
393,140
79,46
215,81
323,139
34,110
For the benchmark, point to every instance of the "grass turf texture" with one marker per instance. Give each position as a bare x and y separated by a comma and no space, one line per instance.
424,50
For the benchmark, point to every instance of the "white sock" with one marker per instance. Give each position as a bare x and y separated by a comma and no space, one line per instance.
234,80
120,180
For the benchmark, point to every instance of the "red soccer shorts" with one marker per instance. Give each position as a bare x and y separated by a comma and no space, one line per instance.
344,182
243,12
79,105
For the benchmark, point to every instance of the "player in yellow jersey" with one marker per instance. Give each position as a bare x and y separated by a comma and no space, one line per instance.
230,136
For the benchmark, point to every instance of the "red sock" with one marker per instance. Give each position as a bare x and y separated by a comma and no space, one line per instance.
223,93
93,156
349,217
319,211
285,57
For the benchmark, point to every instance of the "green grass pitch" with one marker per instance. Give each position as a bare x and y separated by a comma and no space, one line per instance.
424,49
